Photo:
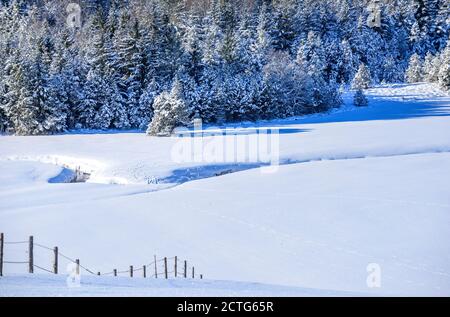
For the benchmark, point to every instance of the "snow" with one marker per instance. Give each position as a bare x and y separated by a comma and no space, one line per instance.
355,187
56,286
405,120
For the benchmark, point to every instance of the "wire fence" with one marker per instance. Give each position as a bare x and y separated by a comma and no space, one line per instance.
167,267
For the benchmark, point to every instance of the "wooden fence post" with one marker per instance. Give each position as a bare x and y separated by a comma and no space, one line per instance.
55,261
165,268
131,271
156,267
77,262
2,237
176,266
30,256
144,271
193,272
185,269
115,272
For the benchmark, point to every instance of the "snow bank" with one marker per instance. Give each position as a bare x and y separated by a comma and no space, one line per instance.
55,286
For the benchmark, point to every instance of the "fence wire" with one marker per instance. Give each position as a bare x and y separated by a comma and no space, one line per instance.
159,264
18,242
15,262
43,269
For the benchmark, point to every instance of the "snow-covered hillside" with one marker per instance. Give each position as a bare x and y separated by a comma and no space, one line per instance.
357,186
35,286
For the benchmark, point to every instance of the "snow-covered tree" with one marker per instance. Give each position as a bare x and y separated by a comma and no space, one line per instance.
360,100
146,105
427,67
170,111
94,96
3,121
393,71
414,71
363,79
133,74
444,72
283,33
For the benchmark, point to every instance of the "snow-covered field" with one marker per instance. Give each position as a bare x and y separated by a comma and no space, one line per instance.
355,187
108,286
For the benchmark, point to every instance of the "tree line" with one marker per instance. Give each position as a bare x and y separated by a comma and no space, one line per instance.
156,64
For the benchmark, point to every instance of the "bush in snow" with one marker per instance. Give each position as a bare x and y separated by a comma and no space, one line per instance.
170,111
360,99
362,79
414,71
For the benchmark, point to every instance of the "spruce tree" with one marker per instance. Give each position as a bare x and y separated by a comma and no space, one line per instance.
170,111
363,79
360,100
392,71
444,73
414,71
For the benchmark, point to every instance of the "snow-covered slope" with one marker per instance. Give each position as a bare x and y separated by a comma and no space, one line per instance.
370,187
56,286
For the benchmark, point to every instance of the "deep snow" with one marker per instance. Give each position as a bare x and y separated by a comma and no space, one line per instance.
56,286
360,186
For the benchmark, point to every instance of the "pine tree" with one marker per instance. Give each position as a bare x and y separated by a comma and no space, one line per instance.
22,110
348,63
170,111
3,121
69,69
363,79
283,34
146,103
442,26
262,45
94,97
428,68
166,48
189,90
414,71
425,36
34,103
392,71
192,54
433,76
134,73
444,73
115,109
360,99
